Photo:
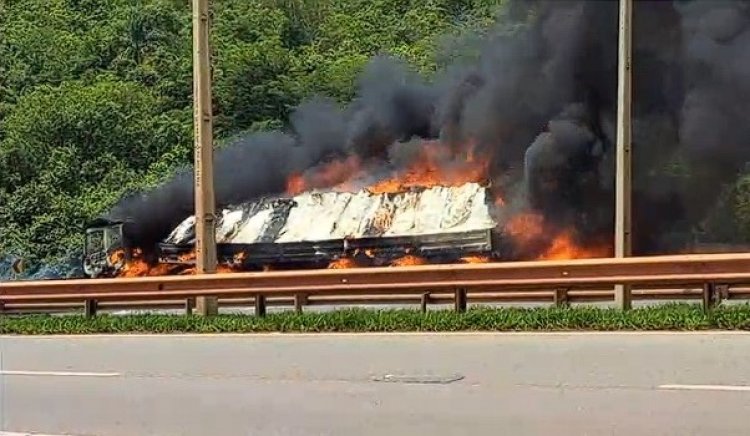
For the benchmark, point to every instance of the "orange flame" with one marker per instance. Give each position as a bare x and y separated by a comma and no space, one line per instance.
343,263
530,228
116,257
334,173
369,252
239,258
187,257
475,259
525,227
225,269
137,266
182,271
563,247
435,164
409,260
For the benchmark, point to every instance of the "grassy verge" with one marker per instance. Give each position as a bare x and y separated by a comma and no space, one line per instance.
668,317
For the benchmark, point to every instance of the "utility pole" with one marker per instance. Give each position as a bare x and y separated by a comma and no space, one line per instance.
205,207
624,134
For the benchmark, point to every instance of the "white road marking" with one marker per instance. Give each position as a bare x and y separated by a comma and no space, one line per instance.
60,374
736,388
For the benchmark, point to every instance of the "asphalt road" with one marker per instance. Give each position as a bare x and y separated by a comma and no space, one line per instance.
493,384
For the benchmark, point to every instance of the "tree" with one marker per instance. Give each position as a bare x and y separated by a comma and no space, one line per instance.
71,150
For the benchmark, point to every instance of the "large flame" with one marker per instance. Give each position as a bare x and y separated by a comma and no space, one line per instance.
435,165
524,228
431,164
335,173
529,229
138,266
564,247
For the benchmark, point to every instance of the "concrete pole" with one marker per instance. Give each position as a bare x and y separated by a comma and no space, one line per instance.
205,234
624,133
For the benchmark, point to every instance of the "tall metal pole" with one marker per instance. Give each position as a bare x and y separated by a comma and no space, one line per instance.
624,133
205,236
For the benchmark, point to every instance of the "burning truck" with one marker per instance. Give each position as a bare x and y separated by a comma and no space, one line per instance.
437,205
509,157
318,229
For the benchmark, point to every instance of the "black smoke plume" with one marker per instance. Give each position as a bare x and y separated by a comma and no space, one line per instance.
541,101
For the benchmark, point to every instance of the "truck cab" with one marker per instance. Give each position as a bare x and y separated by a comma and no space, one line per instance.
105,249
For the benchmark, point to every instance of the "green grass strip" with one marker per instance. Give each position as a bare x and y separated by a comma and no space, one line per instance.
666,317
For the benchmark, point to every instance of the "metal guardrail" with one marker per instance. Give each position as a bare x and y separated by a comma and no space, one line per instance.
424,300
715,276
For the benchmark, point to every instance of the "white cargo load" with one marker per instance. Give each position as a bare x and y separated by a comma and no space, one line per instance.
326,216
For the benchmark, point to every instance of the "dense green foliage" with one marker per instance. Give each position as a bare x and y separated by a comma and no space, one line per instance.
668,317
95,95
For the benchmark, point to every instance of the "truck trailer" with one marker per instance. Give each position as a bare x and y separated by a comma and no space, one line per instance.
314,229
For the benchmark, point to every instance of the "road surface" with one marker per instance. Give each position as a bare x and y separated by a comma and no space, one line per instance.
412,384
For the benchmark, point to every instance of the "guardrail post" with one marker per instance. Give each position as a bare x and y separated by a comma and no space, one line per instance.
561,297
300,300
189,306
709,296
424,301
260,305
90,307
722,293
624,297
460,300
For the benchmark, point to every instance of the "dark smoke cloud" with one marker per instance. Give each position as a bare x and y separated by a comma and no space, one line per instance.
541,101
519,83
250,167
562,166
393,104
535,100
704,75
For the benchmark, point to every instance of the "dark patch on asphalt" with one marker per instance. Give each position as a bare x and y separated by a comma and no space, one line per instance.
419,378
